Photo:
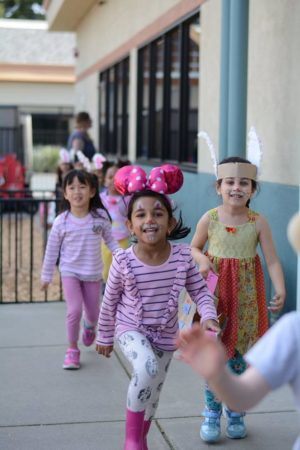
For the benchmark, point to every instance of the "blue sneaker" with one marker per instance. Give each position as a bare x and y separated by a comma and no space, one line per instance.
210,430
236,428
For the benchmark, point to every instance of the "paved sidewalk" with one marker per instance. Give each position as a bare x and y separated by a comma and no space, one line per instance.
43,407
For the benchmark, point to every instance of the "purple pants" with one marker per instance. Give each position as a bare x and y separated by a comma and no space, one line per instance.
80,294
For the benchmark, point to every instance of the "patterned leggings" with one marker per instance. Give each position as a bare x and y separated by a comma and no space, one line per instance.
150,367
237,365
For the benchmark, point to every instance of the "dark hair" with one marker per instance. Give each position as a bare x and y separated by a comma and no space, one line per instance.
82,116
117,164
179,231
89,179
238,159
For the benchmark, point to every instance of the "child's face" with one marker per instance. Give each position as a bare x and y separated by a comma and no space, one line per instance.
99,174
78,194
109,180
235,191
150,221
78,165
65,167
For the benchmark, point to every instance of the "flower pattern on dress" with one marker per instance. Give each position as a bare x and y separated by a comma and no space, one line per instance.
230,229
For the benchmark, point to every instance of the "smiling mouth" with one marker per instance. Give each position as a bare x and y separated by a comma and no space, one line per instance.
150,229
237,194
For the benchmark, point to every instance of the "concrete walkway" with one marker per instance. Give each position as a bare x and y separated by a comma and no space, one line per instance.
43,407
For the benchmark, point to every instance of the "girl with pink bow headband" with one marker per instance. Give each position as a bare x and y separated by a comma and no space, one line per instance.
140,304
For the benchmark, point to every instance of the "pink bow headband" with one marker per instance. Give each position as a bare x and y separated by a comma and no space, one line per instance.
166,179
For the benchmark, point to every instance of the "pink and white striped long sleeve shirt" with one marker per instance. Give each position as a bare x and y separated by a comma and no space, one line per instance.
77,243
145,298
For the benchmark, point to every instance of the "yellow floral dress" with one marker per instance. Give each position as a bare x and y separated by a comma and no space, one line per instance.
240,290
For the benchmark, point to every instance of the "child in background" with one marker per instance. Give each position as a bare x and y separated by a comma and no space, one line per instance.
233,232
140,305
49,210
98,169
64,166
75,238
274,360
113,202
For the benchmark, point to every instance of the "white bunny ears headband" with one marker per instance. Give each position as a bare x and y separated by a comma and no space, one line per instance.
238,169
69,156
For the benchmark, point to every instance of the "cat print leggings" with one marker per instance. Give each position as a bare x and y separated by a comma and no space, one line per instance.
150,366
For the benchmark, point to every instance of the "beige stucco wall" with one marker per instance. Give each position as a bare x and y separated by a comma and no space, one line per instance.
273,86
41,94
108,26
209,80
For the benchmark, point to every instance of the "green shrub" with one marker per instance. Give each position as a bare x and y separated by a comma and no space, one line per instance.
45,158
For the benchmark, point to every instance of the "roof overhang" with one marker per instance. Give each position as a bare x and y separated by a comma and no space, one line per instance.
65,15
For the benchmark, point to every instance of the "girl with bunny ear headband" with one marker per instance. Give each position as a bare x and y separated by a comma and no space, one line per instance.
140,305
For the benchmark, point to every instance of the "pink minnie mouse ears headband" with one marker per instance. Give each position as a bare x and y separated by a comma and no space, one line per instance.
166,179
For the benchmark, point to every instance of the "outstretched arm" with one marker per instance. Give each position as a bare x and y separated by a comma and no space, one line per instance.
197,246
273,264
207,357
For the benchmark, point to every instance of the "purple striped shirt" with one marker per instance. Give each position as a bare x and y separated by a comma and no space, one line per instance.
77,242
145,298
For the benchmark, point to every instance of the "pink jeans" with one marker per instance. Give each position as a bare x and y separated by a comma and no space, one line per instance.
80,294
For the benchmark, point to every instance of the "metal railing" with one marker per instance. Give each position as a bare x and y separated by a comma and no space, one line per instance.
25,221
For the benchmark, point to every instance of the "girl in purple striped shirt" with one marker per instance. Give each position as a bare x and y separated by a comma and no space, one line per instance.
140,304
75,238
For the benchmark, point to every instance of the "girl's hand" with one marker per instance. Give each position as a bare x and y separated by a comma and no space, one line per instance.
104,350
205,265
204,354
44,285
277,303
211,325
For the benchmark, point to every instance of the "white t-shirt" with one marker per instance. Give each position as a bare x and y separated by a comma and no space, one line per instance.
276,356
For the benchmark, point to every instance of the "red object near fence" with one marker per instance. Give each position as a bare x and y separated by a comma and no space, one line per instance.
12,176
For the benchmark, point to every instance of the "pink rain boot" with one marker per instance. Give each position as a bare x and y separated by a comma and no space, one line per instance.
147,424
134,430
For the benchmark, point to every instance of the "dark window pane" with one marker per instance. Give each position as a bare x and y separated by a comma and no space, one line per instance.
119,83
145,102
50,129
113,108
174,96
156,151
168,89
111,93
102,110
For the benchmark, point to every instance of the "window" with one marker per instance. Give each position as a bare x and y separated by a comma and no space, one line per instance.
113,109
50,129
168,95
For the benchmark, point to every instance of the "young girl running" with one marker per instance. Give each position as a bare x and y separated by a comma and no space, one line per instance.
140,304
75,238
232,232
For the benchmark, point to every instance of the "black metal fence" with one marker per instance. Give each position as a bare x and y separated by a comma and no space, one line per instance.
25,221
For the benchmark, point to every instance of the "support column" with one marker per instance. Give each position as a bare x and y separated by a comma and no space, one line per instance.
234,67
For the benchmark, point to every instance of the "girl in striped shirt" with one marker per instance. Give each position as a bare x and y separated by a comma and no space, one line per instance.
140,305
75,238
